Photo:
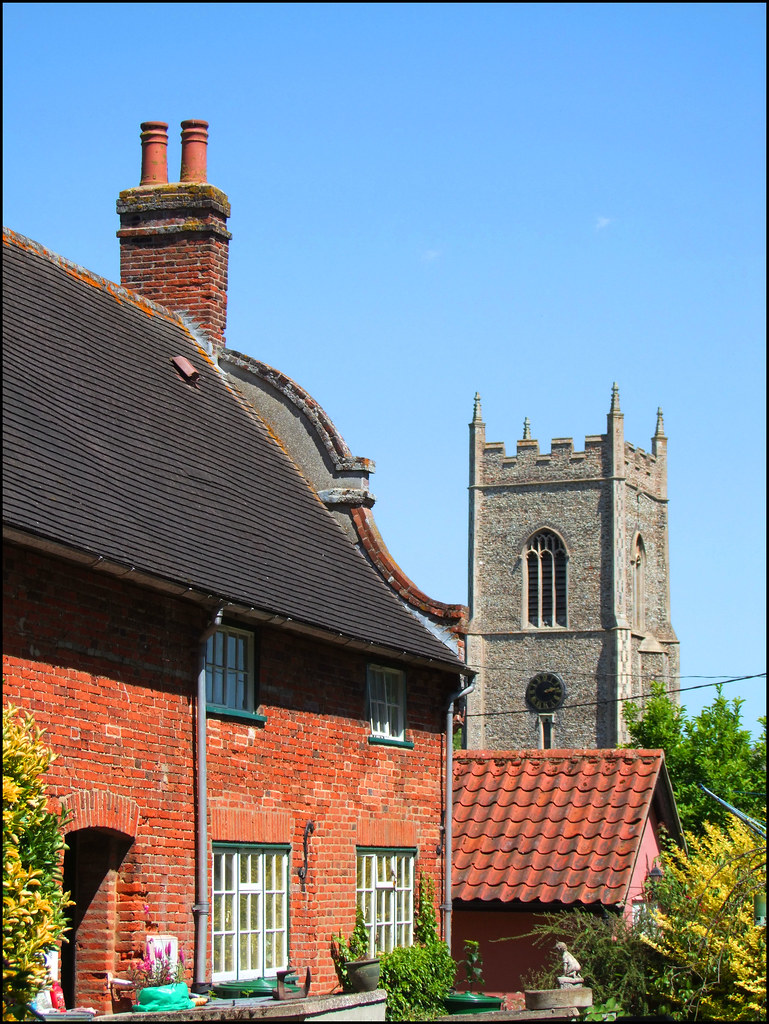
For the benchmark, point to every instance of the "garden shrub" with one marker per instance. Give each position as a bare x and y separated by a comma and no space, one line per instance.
615,957
714,955
417,978
33,900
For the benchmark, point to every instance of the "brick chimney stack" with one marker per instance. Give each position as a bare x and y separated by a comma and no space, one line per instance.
173,236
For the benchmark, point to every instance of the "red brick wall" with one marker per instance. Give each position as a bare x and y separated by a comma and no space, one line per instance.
186,272
108,668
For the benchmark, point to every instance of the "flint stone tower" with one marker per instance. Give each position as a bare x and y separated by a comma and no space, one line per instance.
569,586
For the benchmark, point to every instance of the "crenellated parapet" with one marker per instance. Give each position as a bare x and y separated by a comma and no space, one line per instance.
644,471
529,465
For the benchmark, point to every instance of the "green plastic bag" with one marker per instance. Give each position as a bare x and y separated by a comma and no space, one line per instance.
159,998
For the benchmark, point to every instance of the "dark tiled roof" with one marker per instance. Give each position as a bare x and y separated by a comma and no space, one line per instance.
551,825
107,450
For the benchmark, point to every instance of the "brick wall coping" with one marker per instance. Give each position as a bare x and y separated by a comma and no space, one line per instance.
355,1006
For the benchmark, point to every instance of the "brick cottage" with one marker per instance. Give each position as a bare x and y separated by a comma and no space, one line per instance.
247,699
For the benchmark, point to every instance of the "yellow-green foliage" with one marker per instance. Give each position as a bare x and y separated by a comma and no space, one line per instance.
715,955
33,901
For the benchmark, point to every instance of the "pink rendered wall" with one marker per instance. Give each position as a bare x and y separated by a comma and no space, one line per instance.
647,855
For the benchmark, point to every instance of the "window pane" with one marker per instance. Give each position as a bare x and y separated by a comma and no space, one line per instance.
229,669
250,918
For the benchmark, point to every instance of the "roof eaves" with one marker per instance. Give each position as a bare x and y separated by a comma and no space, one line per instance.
95,561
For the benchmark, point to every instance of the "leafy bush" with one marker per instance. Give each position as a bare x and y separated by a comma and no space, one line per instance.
33,901
417,978
473,965
615,959
714,956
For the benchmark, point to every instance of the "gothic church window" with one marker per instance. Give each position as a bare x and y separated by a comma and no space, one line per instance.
546,580
638,571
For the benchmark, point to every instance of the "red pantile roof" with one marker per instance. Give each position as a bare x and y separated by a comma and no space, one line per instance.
554,825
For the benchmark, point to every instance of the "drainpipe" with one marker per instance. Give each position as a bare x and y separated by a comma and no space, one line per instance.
448,809
202,909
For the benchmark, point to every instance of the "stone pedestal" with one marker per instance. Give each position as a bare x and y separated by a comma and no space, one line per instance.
558,998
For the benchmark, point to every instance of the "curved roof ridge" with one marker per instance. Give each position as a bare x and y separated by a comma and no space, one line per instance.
376,549
330,438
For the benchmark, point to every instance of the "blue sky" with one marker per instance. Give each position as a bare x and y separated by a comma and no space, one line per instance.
530,201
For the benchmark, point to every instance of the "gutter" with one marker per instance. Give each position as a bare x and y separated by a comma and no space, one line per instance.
202,908
448,804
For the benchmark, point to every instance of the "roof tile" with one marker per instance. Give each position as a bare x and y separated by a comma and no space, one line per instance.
107,451
550,825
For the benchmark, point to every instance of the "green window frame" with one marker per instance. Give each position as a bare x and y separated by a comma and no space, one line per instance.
249,927
231,673
385,895
386,690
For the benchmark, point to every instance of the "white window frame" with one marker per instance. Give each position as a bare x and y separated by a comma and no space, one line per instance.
387,703
249,919
230,671
385,895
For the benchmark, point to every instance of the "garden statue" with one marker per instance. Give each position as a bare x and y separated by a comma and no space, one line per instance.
571,977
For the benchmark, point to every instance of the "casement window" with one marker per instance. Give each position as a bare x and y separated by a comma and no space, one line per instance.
385,894
638,572
387,705
231,671
250,911
546,580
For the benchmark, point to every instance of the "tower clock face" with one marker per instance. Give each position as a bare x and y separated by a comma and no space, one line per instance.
545,693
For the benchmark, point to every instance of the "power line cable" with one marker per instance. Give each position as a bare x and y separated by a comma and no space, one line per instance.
617,700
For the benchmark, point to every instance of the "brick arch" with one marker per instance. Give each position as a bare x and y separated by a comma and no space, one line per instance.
95,808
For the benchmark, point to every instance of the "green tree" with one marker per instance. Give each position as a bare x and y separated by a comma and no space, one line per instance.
713,955
33,900
712,749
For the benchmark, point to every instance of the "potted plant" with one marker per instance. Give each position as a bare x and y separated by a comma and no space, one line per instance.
356,970
159,980
472,1002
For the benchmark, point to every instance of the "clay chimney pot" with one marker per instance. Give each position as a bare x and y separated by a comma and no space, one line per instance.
154,138
194,149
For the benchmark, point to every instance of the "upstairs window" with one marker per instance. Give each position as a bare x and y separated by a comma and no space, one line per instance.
638,572
385,895
387,704
546,580
230,671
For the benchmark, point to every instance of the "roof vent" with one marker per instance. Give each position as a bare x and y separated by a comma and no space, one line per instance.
186,370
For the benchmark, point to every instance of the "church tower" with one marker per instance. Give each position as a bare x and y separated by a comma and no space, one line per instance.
569,586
